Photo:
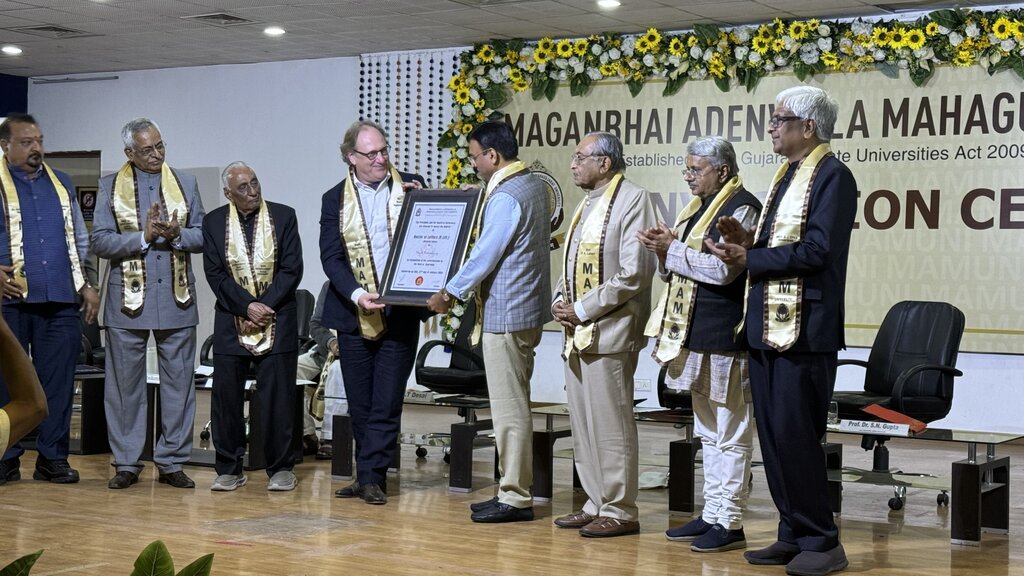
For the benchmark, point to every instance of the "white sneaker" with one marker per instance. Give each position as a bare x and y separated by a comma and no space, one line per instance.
282,481
228,482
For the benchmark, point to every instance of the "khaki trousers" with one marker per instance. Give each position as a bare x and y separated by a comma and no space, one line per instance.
604,439
508,360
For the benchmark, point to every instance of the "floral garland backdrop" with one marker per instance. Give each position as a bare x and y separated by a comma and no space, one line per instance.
738,56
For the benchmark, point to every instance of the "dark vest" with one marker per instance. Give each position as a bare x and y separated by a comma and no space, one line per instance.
719,309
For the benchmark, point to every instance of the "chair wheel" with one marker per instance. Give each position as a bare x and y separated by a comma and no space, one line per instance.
942,499
421,452
895,503
204,435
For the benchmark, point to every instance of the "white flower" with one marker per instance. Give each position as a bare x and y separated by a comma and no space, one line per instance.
695,52
924,53
845,44
859,28
955,39
903,64
455,322
594,73
754,57
674,60
474,94
943,29
648,60
825,44
824,30
482,82
560,75
780,60
698,73
628,43
859,50
614,54
578,67
603,58
462,142
788,42
741,52
708,54
1007,45
461,153
561,63
972,29
879,55
742,34
596,49
809,56
769,66
498,74
468,109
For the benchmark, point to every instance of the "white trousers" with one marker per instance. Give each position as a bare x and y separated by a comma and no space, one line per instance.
727,436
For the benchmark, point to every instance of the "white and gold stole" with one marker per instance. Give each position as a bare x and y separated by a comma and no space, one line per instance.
782,295
670,319
497,179
589,270
252,267
356,237
15,234
125,202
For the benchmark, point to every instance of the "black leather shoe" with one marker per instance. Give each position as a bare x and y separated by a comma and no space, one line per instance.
350,491
373,494
310,444
122,480
56,471
10,470
503,513
177,479
481,506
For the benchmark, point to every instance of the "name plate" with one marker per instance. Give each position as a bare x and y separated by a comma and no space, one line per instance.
874,427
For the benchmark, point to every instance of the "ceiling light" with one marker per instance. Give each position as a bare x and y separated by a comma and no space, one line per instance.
273,31
608,4
11,50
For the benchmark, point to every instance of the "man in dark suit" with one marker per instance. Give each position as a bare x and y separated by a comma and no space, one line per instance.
377,343
253,260
794,323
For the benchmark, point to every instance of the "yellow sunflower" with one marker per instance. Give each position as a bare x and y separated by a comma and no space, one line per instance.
467,127
914,39
1018,30
462,95
520,85
511,56
608,70
1003,28
515,74
932,28
480,117
676,47
692,41
485,53
454,166
778,45
540,55
653,38
564,48
546,44
797,30
779,26
813,24
880,36
716,67
761,45
456,83
764,32
580,47
830,59
642,45
963,58
898,37
479,104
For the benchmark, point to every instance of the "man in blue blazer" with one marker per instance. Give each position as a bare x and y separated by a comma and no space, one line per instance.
377,343
253,260
794,323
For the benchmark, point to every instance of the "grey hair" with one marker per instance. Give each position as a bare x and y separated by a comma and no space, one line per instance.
717,150
228,168
609,145
812,103
133,127
348,142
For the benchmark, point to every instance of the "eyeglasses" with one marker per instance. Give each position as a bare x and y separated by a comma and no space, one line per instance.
776,121
577,157
473,157
373,154
148,151
245,187
695,172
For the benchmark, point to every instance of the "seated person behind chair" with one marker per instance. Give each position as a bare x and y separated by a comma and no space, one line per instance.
693,323
253,260
27,407
311,367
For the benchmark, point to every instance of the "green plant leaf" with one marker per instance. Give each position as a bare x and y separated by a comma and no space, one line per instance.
1018,66
706,32
495,95
920,74
951,19
551,89
800,70
579,85
889,69
752,78
539,87
723,83
673,85
200,567
447,140
21,565
635,86
154,560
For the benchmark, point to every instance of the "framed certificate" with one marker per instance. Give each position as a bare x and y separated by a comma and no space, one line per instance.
430,243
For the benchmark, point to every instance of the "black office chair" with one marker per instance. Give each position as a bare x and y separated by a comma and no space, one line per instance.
671,398
910,370
93,353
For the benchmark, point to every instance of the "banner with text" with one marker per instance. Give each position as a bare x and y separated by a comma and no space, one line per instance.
939,172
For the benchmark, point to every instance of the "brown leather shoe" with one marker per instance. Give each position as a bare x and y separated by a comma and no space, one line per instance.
577,519
607,527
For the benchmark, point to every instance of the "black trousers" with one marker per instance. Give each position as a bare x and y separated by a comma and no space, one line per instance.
275,379
791,393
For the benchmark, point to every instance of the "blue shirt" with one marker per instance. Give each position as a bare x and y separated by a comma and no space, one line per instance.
47,266
501,216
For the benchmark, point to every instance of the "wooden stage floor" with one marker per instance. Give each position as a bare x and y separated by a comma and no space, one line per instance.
86,528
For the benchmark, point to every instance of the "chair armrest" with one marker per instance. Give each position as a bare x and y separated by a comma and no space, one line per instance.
853,362
87,350
421,356
897,387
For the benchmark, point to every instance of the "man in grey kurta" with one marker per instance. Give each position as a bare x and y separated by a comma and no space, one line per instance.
160,234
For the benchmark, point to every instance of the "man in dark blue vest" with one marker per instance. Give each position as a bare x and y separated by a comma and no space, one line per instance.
694,323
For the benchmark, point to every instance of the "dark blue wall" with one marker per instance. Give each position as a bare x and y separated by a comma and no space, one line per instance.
13,94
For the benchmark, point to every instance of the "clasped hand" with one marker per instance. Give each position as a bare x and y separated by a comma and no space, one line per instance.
157,226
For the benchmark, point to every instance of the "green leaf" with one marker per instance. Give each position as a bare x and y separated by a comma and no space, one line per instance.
22,565
1018,66
706,32
200,567
579,85
495,95
447,140
673,85
888,69
920,74
951,19
800,70
551,90
723,83
154,560
753,77
539,86
635,86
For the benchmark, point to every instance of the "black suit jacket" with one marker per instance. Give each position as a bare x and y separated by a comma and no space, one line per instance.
340,312
819,258
233,300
